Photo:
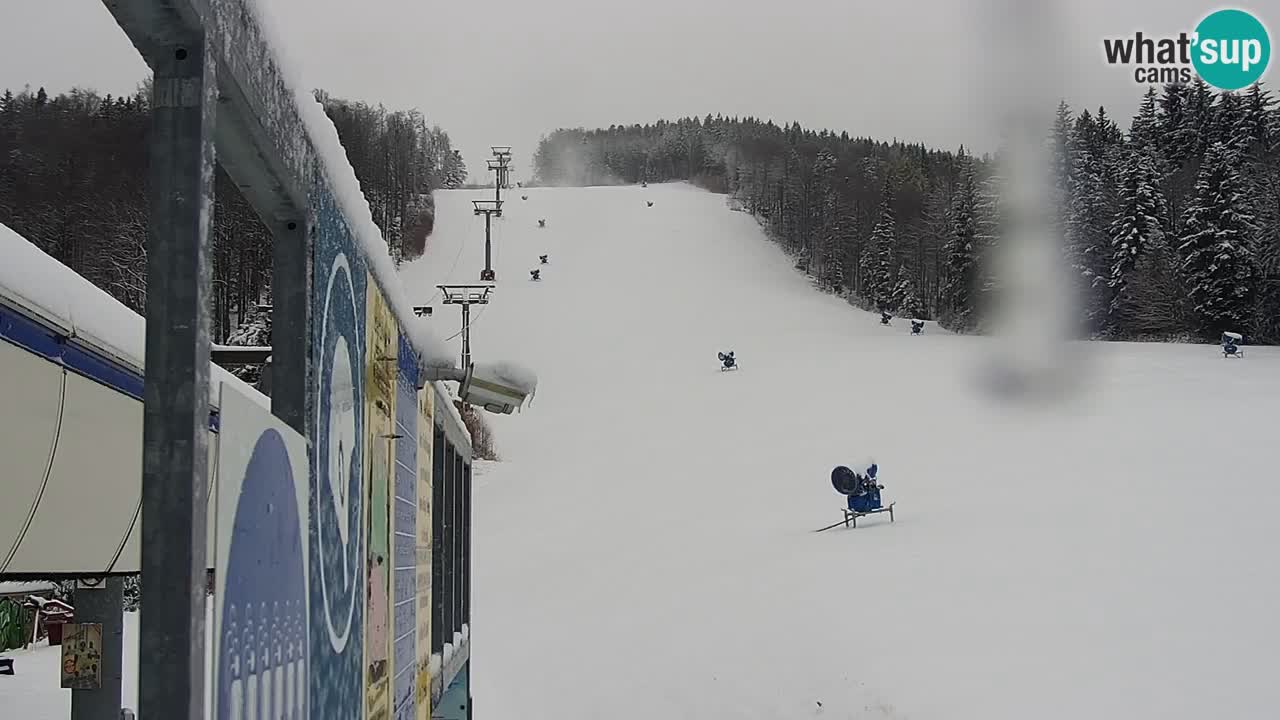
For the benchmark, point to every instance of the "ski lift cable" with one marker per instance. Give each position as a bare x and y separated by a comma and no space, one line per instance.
461,246
497,252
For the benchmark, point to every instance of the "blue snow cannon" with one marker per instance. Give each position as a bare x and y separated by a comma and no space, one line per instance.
868,496
862,493
1231,343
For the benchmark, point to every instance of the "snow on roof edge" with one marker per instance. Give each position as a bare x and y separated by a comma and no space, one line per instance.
58,294
333,161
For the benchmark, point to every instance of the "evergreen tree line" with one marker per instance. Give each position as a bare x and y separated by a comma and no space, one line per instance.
1171,229
73,173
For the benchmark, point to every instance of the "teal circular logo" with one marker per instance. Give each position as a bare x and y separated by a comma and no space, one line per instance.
1232,49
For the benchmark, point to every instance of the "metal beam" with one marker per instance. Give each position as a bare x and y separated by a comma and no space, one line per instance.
176,408
261,136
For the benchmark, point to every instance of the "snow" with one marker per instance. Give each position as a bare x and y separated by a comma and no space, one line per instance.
45,287
347,193
20,588
512,374
646,549
33,692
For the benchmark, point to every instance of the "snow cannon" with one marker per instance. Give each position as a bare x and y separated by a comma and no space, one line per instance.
885,318
542,259
649,203
862,493
542,223
535,274
644,184
488,275
520,184
917,327
524,197
728,361
1231,343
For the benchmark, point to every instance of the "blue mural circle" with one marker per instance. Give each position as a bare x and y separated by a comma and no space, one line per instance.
337,496
263,634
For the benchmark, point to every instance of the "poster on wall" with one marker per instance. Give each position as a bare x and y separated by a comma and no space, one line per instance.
335,537
426,408
380,379
260,604
82,656
404,538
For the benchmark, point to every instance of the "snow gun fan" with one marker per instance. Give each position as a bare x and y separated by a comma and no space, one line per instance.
885,318
649,203
535,275
524,197
862,493
1231,343
728,362
542,259
542,223
917,327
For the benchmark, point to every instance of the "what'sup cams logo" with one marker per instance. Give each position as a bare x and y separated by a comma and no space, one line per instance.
1229,49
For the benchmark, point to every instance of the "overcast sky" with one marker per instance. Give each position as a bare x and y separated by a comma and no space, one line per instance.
507,71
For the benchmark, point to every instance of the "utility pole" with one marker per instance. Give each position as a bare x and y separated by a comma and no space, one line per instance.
488,208
466,296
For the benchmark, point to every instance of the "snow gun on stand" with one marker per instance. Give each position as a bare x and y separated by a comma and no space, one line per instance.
543,259
1231,343
535,274
862,493
885,318
917,327
728,361
542,223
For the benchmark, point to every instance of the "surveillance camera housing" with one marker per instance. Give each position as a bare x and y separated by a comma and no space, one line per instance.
495,388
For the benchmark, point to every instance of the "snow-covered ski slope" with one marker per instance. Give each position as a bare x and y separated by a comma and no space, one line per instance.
646,549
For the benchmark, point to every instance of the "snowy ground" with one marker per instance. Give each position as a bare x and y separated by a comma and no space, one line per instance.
645,550
33,693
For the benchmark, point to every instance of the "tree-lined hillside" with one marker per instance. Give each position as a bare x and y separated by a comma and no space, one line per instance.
1171,228
73,170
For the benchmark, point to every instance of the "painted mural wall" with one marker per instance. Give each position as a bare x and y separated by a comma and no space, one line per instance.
336,535
404,538
369,499
426,408
380,379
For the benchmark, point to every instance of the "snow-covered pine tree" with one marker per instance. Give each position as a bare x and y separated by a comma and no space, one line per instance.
1060,154
905,298
1144,131
822,209
1217,249
1227,122
1139,223
961,250
877,258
